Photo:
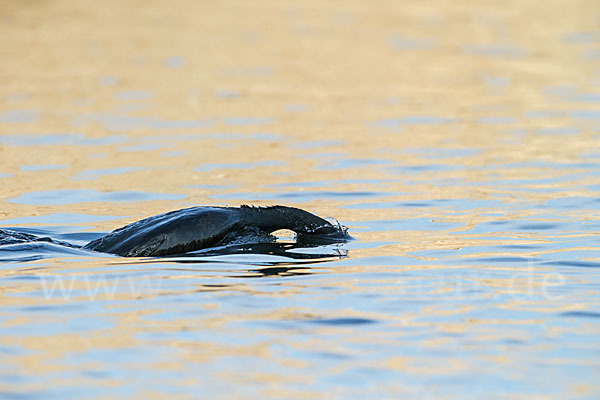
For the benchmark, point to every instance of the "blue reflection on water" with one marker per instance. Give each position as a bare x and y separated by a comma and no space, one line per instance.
300,196
19,116
406,224
297,108
495,50
459,204
415,169
227,94
325,183
565,130
581,37
248,121
42,167
496,83
72,196
436,153
496,120
97,173
175,61
574,202
587,97
108,80
586,115
59,218
78,139
350,163
312,144
403,43
142,147
397,124
178,153
116,122
215,166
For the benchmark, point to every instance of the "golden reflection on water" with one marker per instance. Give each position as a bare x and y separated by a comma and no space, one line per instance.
366,112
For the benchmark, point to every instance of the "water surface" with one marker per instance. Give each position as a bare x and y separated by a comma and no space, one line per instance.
458,142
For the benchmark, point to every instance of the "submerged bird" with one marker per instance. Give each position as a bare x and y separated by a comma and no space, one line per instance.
198,228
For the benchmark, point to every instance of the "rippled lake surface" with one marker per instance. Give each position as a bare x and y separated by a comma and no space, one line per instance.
459,142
